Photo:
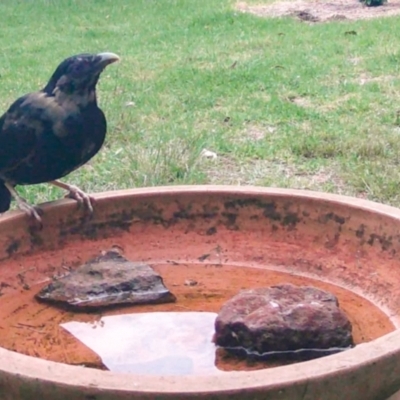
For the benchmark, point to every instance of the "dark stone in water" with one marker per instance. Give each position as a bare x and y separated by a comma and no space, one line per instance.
283,321
107,280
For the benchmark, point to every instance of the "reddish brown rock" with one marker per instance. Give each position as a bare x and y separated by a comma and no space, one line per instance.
283,318
107,280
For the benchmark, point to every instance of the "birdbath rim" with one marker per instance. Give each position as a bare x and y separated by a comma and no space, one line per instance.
15,367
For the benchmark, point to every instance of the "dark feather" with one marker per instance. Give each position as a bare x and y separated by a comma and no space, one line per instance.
41,148
5,198
48,134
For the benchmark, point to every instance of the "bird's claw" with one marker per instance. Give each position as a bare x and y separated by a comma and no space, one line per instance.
81,197
33,212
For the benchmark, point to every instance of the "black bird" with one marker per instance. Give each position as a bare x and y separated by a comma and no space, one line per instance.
48,134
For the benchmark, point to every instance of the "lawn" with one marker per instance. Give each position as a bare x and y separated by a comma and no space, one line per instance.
281,102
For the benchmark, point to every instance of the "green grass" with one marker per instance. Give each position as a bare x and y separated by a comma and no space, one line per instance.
282,103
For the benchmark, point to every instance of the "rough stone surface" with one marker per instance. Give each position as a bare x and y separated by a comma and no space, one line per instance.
107,280
283,318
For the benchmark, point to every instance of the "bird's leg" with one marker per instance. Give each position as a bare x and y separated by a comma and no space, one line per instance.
75,193
32,211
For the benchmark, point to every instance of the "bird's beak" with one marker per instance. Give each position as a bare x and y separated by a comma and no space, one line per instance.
105,59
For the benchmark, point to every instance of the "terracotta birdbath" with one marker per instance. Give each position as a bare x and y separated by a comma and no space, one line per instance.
223,238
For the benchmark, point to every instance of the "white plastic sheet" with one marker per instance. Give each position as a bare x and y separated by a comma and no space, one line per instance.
159,343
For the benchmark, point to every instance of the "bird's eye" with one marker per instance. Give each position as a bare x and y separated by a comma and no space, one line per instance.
79,67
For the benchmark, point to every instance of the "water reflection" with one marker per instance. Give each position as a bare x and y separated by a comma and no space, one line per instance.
159,343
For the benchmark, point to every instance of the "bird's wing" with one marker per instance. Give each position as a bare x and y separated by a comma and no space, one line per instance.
27,120
18,134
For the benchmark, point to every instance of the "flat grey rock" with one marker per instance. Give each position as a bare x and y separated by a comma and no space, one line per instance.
108,280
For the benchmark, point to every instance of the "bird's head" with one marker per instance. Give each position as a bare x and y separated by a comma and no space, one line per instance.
78,75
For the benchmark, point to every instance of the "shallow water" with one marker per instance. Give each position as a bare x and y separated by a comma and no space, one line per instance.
33,328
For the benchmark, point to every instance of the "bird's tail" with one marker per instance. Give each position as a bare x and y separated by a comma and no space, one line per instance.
5,198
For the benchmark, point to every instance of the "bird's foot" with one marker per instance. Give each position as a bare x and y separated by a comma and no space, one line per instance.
77,194
81,197
33,212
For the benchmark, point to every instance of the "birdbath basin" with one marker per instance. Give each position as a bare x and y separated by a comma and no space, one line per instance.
342,244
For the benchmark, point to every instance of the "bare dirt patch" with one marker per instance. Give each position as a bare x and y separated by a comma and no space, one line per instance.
322,11
300,101
227,171
365,78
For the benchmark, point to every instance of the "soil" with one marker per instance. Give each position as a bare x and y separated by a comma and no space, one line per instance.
322,11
